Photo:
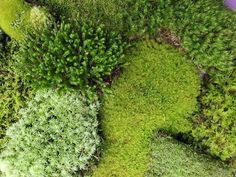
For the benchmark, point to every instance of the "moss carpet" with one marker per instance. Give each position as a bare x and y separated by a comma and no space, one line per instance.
157,91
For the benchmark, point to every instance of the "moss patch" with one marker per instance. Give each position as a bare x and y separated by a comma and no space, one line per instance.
207,31
12,13
170,158
16,16
157,90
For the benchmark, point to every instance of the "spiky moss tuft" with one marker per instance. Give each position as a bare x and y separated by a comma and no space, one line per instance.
170,158
157,90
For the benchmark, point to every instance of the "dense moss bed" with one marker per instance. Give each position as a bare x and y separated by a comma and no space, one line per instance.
157,90
155,65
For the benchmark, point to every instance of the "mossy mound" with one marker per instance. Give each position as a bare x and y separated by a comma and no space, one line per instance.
157,90
13,13
16,15
170,158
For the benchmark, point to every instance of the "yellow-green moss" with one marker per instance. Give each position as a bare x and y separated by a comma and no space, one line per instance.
16,14
12,14
157,90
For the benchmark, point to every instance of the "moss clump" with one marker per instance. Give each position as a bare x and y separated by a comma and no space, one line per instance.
56,136
170,158
14,92
75,55
157,90
12,13
16,15
207,31
13,95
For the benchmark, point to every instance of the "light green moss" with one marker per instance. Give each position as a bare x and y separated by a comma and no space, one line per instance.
12,14
157,90
38,17
16,14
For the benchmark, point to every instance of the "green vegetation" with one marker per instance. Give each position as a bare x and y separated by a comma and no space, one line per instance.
13,90
207,31
3,45
130,18
77,47
157,90
13,94
58,8
205,28
56,136
216,127
170,158
79,56
17,16
13,13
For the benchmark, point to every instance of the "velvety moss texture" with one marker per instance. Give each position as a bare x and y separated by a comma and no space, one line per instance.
12,13
171,158
189,91
157,90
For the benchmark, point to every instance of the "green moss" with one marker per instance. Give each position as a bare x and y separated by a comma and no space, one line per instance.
130,18
207,31
14,92
16,16
56,136
13,95
12,13
170,158
157,90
